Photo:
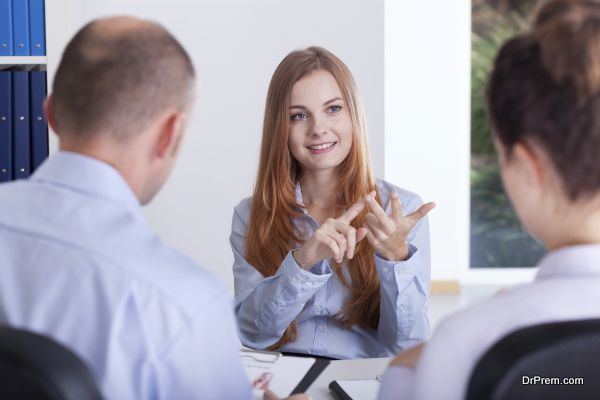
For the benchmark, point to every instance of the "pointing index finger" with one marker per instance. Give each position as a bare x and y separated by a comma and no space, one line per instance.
354,210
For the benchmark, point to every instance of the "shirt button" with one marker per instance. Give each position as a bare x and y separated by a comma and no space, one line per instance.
385,269
321,328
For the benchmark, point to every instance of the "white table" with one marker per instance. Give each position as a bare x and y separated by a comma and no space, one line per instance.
363,368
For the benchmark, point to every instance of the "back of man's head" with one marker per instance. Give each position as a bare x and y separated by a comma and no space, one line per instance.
116,75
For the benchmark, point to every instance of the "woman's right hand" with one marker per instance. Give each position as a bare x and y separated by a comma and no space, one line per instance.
336,238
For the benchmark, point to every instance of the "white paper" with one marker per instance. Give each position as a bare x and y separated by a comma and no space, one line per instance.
284,373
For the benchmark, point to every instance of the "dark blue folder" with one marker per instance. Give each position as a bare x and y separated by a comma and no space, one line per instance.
39,128
6,29
20,13
5,126
37,28
21,148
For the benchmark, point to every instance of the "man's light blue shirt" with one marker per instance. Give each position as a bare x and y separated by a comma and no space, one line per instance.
80,264
265,306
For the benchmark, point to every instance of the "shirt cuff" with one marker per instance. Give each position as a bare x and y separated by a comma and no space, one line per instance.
389,270
301,278
397,383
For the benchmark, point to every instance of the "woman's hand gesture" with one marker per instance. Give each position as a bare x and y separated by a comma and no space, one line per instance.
336,238
388,234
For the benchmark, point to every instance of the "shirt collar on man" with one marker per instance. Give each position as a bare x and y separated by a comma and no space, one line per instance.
89,176
579,260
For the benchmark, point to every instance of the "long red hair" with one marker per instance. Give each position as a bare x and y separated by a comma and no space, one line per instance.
271,234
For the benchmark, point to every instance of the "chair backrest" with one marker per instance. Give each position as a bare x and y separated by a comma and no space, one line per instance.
559,360
33,366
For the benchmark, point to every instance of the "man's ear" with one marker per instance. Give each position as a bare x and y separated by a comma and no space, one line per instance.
529,158
48,113
170,132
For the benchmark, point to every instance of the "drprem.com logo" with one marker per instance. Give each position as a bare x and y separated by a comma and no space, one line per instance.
540,380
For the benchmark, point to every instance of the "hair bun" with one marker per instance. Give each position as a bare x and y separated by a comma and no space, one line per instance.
568,34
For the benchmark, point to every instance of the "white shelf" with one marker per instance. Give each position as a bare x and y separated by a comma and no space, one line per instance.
26,61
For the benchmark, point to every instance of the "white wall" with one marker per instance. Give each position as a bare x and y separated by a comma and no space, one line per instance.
427,150
236,45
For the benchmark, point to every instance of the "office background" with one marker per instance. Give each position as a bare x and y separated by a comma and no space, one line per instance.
411,63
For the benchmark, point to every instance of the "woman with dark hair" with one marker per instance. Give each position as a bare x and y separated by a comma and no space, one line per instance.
544,101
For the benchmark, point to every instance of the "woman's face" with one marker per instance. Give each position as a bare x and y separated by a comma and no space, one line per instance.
320,134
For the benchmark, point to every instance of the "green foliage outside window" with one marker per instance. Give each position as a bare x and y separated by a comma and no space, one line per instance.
497,239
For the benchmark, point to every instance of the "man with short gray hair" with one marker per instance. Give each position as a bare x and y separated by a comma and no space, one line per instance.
79,262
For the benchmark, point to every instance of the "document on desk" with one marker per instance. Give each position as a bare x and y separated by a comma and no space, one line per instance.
356,389
280,373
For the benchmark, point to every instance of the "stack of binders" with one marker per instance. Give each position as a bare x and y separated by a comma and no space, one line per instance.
22,28
23,128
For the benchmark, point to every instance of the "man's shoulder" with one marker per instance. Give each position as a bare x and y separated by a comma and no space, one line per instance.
171,275
9,190
109,238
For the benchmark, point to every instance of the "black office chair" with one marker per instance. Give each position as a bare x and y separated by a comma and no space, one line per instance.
33,366
560,350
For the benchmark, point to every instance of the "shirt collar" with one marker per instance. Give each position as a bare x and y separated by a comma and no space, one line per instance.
89,176
579,260
299,200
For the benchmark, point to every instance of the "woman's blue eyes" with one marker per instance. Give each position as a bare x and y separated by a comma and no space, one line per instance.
302,116
298,117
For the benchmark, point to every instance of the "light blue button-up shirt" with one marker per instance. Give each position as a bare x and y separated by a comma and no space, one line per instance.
266,306
79,263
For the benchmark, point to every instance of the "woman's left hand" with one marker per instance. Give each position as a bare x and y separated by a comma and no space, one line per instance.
388,234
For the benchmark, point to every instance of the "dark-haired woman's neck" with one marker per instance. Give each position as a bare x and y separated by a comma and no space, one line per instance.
580,225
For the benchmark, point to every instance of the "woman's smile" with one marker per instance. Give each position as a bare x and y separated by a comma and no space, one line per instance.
321,148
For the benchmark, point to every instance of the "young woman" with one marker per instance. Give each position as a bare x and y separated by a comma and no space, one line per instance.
328,261
544,103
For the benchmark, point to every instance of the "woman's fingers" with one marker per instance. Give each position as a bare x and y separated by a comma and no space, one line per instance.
361,233
346,236
385,223
396,207
350,241
352,212
338,246
355,209
333,245
374,225
371,238
339,238
414,217
349,232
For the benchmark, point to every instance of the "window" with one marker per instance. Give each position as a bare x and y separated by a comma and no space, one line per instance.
497,239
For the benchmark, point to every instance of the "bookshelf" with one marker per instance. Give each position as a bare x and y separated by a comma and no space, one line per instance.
23,64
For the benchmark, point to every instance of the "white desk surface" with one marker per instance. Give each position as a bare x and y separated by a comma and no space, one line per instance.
364,368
